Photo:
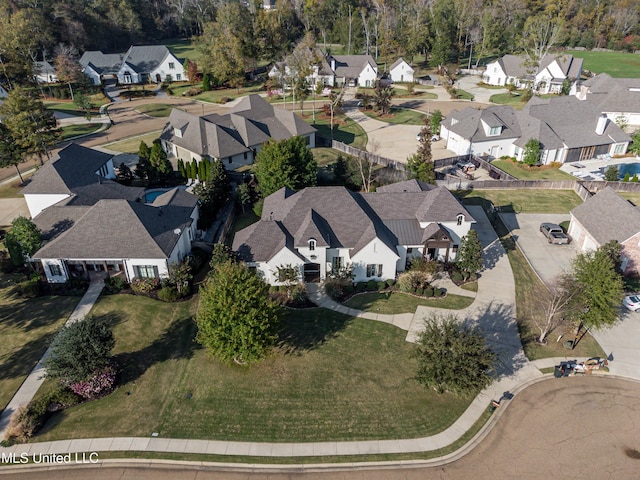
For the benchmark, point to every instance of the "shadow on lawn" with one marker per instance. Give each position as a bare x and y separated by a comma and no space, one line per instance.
176,342
307,329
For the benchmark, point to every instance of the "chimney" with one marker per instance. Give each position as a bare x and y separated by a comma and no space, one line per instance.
333,64
601,125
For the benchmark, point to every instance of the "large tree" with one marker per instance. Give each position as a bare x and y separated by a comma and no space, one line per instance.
237,321
31,124
214,192
23,240
600,288
453,357
556,305
10,154
67,67
469,257
382,98
420,164
285,163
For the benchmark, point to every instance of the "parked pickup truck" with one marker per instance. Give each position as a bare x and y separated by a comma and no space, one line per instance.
554,233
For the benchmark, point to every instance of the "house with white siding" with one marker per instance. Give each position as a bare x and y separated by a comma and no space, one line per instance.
234,138
320,230
617,98
90,223
139,64
401,71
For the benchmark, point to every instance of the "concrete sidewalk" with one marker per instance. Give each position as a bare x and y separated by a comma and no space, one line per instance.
34,380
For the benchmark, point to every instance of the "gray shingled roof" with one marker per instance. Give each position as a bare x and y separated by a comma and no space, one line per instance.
73,173
607,216
145,58
339,218
398,62
56,220
614,94
514,65
102,63
468,123
350,66
573,121
406,186
115,229
251,122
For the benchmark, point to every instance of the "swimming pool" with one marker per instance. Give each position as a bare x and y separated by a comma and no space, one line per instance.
151,195
630,168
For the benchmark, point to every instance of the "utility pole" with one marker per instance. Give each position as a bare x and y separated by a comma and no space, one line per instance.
350,21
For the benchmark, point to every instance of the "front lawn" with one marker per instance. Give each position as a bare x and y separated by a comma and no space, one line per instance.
13,189
131,144
345,130
333,378
616,64
27,326
391,303
524,172
514,99
525,200
70,131
155,109
221,95
401,116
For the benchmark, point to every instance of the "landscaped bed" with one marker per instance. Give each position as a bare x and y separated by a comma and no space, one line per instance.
332,378
397,302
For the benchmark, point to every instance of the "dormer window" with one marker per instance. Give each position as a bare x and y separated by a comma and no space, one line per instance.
312,245
460,218
493,131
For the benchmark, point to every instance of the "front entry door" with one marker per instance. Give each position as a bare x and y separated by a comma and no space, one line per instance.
312,272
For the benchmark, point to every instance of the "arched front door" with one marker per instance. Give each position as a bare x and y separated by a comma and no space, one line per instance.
312,272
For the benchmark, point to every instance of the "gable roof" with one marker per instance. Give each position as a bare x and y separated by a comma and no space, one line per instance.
102,63
399,62
412,185
253,121
113,229
338,218
467,123
74,173
613,94
515,65
350,66
146,58
607,216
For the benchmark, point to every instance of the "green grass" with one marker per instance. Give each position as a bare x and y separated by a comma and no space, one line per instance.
633,197
391,303
332,378
529,292
471,287
528,200
67,106
27,326
348,131
243,220
523,172
463,94
400,116
513,99
216,96
183,48
131,144
155,109
616,64
71,131
325,156
12,190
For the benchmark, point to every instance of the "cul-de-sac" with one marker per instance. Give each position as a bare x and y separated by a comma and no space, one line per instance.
319,239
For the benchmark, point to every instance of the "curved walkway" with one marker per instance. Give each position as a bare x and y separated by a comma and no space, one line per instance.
493,311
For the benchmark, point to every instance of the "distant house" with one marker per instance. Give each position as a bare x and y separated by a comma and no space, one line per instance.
604,217
90,223
548,77
617,98
234,138
568,130
355,70
401,71
320,230
45,72
320,72
140,64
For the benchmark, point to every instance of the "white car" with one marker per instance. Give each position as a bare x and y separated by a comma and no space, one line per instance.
632,302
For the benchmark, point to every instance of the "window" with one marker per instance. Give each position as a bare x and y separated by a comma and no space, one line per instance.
177,132
338,263
586,153
409,250
374,270
172,66
619,149
178,76
312,245
460,219
454,248
146,271
55,270
230,159
493,131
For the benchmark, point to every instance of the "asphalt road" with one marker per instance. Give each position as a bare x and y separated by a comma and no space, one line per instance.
576,427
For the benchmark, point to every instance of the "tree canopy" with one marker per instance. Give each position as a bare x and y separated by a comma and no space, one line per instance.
23,240
285,163
237,321
532,151
80,350
420,164
453,357
469,257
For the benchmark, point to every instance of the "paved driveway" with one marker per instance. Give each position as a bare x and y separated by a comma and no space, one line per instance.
12,208
622,343
547,260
